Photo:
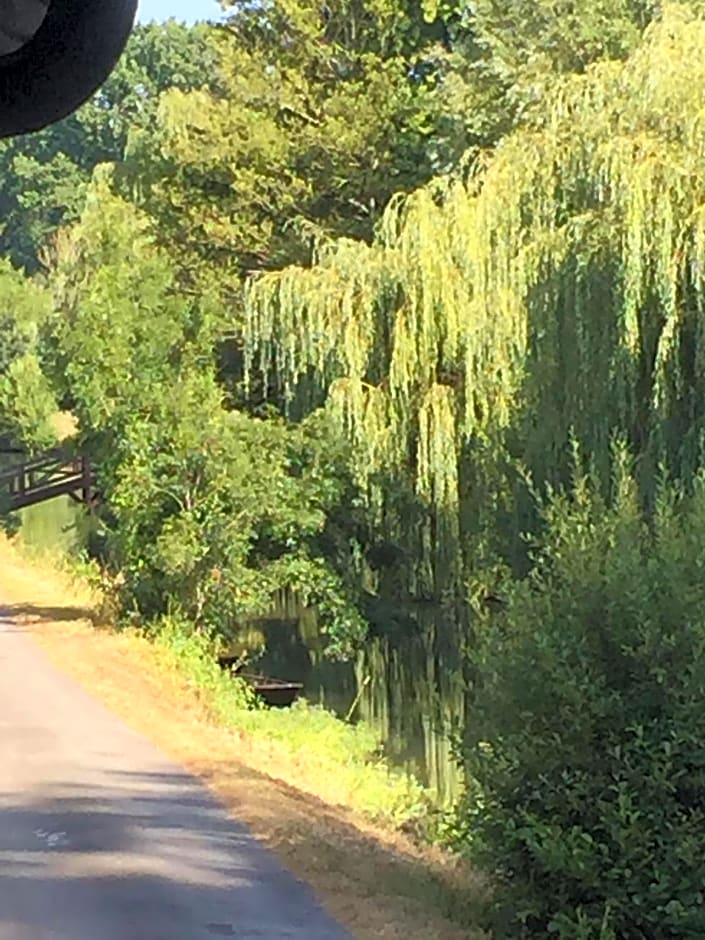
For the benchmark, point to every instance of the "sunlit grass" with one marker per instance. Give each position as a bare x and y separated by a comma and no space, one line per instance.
347,756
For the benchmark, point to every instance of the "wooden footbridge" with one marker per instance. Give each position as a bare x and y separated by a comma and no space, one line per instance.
46,476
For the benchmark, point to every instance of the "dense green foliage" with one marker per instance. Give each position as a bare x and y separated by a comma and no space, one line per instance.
44,176
556,294
526,46
551,294
209,512
319,114
357,283
587,732
27,400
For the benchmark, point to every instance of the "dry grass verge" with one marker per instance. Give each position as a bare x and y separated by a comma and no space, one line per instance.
372,879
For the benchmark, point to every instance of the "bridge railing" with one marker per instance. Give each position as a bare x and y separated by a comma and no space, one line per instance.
53,473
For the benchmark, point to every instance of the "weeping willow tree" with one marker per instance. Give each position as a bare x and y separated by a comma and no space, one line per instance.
557,293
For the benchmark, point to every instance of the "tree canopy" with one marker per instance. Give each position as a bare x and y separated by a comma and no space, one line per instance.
555,293
318,115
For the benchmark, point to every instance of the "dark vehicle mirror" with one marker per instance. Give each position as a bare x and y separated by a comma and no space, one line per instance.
54,54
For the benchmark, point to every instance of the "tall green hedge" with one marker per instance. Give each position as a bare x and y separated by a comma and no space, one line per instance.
587,740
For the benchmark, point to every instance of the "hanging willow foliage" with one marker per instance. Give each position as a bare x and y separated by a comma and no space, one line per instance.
559,291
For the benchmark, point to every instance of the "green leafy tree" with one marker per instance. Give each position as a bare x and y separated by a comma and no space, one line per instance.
207,510
557,292
520,50
120,326
216,512
319,114
27,403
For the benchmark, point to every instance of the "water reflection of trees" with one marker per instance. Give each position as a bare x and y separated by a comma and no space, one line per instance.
408,686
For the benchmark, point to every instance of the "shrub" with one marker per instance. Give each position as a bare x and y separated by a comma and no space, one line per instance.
587,740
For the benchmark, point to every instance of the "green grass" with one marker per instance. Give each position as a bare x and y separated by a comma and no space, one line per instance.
353,752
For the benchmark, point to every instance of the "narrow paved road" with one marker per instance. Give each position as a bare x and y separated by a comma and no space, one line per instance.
102,838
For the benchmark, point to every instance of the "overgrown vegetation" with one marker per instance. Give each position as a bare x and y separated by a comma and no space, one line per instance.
587,730
356,287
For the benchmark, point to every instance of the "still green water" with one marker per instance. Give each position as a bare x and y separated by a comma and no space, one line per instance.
410,690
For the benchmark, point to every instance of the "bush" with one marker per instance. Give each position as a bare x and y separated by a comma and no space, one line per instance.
587,740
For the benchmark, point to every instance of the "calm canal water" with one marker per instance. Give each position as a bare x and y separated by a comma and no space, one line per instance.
57,526
411,691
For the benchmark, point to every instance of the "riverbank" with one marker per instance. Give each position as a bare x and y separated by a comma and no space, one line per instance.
307,784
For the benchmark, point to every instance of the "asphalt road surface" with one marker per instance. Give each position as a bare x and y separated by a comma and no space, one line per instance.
102,838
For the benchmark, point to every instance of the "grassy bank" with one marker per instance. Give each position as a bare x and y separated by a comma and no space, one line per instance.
311,787
344,763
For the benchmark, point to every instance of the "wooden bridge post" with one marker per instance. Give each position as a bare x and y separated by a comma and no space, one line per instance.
86,482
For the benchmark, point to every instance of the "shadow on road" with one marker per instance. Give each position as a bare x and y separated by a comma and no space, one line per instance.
145,857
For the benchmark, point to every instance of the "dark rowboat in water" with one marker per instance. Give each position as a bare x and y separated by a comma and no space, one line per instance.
276,692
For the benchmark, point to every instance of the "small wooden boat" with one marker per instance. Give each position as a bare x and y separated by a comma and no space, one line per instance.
275,692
